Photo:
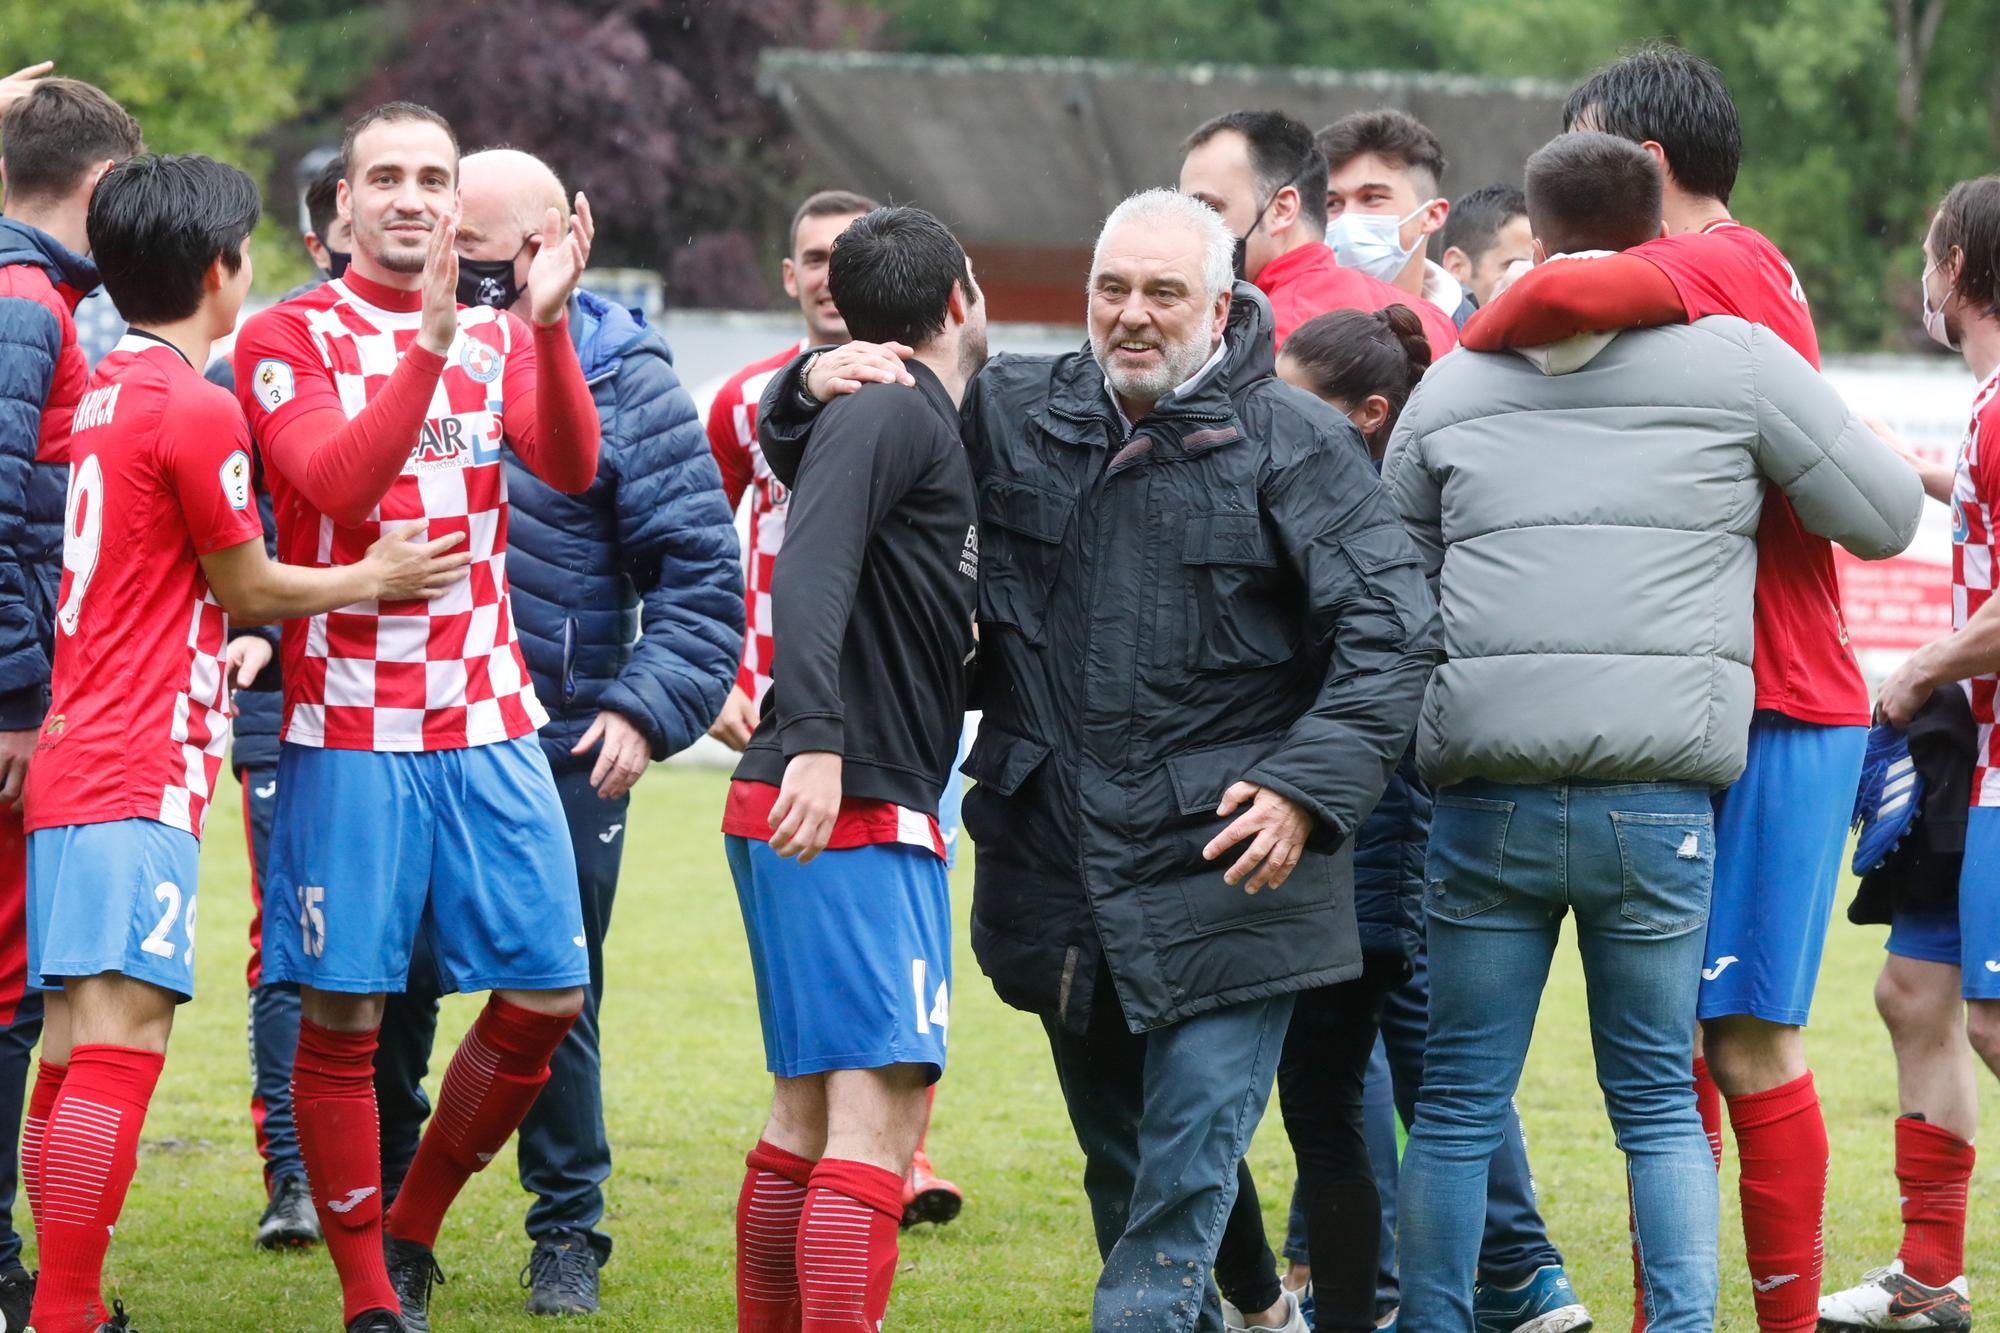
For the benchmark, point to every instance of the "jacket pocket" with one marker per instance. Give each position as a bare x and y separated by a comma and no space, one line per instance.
998,764
1387,562
1199,778
567,684
1020,546
1227,562
1668,866
1466,865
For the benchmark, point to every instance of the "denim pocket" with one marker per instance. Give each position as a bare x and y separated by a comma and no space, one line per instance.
1668,866
1467,855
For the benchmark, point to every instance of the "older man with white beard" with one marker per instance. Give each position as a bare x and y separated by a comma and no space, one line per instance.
1203,645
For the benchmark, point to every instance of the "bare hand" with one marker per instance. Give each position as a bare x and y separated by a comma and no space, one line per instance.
440,288
738,721
16,747
851,365
409,570
623,758
559,262
1277,830
22,82
1937,478
246,656
1906,690
808,803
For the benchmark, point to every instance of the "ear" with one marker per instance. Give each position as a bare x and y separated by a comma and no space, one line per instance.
343,202
1663,228
1371,415
1435,213
1541,252
1659,155
957,306
791,278
1219,317
1456,262
216,277
1284,211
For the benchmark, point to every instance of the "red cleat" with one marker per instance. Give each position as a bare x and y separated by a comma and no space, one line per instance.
926,1198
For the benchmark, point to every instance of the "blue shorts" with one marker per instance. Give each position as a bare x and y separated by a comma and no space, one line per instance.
113,897
1969,938
470,843
1780,833
852,955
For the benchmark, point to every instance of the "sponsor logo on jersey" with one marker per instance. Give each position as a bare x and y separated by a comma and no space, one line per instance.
460,440
235,476
480,361
968,556
272,380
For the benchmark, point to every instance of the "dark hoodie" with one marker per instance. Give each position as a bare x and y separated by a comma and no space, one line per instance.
1225,594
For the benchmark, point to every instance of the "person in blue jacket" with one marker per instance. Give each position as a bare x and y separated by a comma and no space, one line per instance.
629,603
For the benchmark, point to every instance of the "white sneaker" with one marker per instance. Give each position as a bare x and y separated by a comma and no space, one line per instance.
1890,1298
1295,1319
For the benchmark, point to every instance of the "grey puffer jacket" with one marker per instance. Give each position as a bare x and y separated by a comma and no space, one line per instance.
1592,534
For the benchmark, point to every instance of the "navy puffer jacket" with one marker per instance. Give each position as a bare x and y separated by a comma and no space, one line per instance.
630,595
1389,864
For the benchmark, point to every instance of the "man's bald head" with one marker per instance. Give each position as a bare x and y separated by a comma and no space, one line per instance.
504,194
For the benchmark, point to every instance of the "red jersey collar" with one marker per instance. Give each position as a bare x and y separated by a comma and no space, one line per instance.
1311,257
379,296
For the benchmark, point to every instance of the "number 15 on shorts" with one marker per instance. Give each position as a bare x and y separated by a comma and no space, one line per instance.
933,1007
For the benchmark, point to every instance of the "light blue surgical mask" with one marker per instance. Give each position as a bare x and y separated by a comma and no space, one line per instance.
1934,323
1373,242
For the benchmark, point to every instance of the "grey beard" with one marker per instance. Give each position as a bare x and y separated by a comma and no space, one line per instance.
1178,365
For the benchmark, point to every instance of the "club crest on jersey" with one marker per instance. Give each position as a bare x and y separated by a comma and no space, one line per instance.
235,475
273,383
480,361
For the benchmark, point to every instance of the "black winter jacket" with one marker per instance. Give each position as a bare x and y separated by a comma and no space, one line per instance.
1232,597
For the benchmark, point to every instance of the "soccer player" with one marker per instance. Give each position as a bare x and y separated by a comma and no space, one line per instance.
838,862
1939,985
60,137
375,400
1486,234
161,540
288,1218
1383,170
732,436
1781,829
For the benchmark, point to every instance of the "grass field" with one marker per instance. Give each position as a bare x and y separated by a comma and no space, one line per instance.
686,1090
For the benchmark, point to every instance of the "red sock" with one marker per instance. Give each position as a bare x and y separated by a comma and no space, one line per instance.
89,1150
847,1246
767,1240
1933,1167
490,1084
1708,1101
340,1138
1782,1151
48,1082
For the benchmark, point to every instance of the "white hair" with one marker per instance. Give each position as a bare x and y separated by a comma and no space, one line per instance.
1171,208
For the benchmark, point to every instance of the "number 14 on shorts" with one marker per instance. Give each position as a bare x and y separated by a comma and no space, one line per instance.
933,1007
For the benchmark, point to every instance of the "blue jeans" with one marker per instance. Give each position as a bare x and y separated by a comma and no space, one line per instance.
1516,1240
1163,1118
1635,863
564,1154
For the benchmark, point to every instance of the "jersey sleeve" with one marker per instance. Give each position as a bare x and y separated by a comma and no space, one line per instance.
205,454
280,373
550,417
730,456
1565,297
1711,275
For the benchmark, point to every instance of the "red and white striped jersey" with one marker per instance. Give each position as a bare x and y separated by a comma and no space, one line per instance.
160,475
732,437
404,675
1975,497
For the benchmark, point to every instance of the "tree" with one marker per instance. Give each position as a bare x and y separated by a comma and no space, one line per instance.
200,75
649,106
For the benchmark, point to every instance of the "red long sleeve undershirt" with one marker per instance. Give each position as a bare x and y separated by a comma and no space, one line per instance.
1570,296
344,467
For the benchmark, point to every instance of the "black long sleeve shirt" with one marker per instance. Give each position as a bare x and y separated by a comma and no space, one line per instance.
873,595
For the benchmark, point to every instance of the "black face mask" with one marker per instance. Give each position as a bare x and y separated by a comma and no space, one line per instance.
1239,258
336,263
489,281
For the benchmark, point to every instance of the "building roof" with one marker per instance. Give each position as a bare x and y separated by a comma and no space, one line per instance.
1033,152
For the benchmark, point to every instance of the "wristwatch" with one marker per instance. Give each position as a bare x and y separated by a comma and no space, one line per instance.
806,399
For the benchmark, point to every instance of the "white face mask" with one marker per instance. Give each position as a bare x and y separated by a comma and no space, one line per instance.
1373,242
1934,315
